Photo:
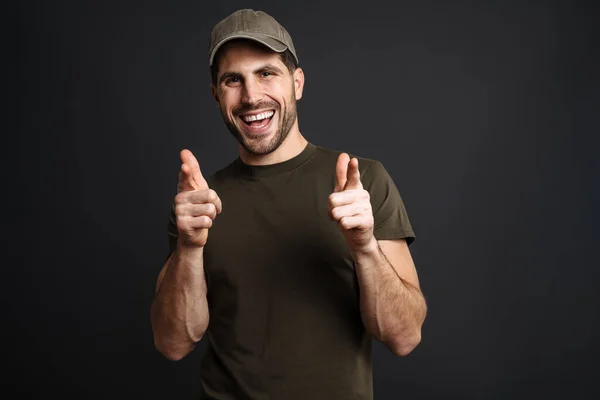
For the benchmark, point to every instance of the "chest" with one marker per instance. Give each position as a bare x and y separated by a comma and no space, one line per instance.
275,229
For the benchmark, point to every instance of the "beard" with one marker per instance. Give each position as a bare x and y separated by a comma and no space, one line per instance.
262,146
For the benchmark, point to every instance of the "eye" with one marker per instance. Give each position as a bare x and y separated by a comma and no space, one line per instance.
266,74
232,81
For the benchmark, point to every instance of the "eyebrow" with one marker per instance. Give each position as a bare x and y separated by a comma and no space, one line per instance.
229,75
260,70
268,67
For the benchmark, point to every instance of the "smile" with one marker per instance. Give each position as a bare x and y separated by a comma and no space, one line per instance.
257,117
256,122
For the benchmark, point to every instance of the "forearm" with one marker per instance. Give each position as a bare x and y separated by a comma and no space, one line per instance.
392,309
179,313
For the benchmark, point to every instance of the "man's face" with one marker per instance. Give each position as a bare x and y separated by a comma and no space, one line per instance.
257,95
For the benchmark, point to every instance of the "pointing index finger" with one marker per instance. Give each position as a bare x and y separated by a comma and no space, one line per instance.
191,167
353,177
341,172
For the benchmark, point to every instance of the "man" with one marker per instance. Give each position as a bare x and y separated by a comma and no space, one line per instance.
293,257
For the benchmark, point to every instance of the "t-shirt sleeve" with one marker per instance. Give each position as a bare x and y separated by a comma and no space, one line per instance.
389,212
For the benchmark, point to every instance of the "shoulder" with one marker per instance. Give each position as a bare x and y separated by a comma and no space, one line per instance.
369,168
327,153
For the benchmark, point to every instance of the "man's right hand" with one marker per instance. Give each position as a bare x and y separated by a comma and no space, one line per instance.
196,206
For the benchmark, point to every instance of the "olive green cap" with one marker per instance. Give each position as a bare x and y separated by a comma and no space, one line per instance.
253,25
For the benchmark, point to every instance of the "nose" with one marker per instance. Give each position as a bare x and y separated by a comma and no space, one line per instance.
251,93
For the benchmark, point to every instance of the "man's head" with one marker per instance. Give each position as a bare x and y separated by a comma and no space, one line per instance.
255,79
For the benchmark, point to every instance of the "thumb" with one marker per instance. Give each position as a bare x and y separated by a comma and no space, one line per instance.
341,172
353,177
191,170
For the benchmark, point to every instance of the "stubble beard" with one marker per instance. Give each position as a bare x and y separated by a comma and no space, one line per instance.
264,146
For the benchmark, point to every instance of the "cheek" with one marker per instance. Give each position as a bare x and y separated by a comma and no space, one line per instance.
227,101
278,90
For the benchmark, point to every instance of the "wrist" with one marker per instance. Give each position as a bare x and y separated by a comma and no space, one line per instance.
368,250
189,251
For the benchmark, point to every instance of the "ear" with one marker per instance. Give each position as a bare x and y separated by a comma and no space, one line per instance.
213,91
298,82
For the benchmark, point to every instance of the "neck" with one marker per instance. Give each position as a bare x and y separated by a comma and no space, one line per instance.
293,145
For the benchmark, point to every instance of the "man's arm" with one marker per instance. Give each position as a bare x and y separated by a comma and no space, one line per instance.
179,312
392,306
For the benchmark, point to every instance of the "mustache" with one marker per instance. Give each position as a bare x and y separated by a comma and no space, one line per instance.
245,108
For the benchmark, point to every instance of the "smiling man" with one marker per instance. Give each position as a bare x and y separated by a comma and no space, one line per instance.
292,258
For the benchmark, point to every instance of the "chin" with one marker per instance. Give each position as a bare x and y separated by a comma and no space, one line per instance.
260,147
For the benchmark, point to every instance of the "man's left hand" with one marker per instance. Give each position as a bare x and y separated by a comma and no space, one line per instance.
350,205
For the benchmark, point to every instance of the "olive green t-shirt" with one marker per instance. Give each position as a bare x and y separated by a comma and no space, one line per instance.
283,294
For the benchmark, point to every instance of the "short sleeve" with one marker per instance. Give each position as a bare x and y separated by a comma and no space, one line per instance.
389,212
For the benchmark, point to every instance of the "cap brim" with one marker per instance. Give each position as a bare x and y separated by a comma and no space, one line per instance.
268,41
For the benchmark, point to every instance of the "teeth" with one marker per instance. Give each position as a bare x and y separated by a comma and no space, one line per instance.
258,117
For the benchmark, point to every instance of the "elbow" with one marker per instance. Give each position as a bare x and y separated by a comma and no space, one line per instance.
171,351
171,341
172,356
403,346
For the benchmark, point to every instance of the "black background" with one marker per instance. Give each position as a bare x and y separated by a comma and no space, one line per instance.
484,113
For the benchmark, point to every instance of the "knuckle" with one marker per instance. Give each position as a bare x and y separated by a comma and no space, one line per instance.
332,198
336,213
206,221
211,209
178,209
180,198
182,224
211,195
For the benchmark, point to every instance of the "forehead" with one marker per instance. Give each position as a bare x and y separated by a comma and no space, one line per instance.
246,55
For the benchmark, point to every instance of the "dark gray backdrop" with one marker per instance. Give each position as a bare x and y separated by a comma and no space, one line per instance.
485,114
